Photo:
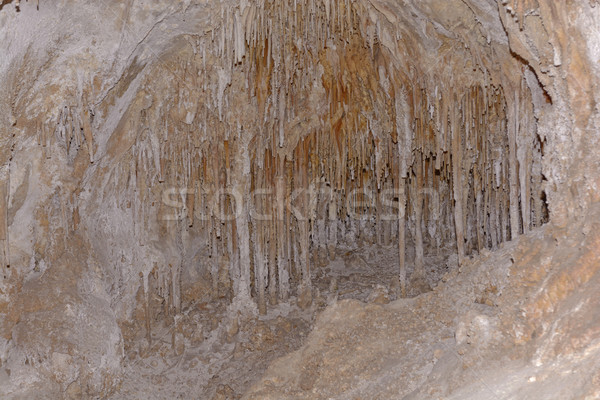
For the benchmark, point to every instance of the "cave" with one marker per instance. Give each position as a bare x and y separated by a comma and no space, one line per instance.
299,199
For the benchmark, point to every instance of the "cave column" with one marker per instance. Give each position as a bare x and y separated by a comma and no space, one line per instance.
402,234
457,184
304,293
242,191
417,201
513,128
280,239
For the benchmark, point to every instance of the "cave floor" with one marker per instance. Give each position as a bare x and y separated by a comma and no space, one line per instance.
500,326
222,355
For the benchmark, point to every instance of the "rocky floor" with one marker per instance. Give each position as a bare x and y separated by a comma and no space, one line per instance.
223,365
518,323
231,349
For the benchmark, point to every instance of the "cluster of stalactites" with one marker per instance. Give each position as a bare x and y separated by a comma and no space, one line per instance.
333,121
457,186
70,129
66,134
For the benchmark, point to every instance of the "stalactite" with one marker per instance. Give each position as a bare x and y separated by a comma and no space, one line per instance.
363,127
176,288
281,235
417,201
513,129
4,243
243,277
87,133
301,173
147,312
457,184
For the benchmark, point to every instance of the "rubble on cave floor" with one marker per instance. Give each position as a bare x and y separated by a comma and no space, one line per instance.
521,322
215,351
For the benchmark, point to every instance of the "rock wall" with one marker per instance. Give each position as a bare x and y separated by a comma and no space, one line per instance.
157,154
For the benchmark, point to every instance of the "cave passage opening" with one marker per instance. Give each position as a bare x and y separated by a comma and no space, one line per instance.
240,166
295,135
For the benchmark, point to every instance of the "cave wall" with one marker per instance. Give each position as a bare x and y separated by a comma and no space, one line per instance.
117,117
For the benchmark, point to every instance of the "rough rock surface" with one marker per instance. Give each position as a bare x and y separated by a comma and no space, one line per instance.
121,275
518,323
